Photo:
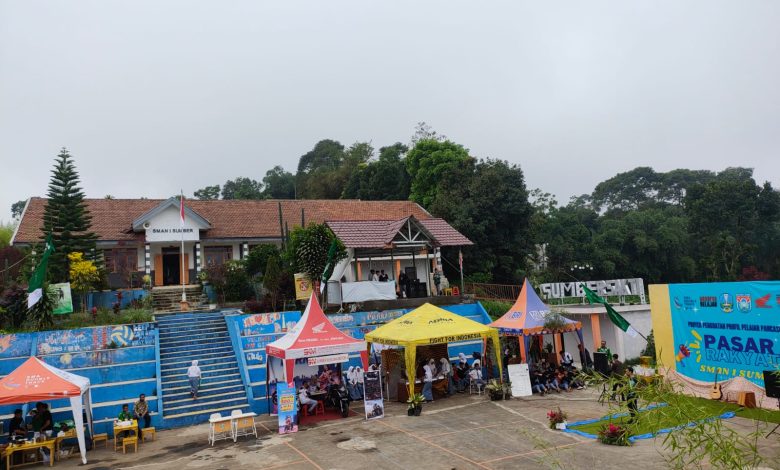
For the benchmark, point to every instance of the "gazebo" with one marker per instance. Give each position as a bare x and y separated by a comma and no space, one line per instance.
35,380
527,318
314,336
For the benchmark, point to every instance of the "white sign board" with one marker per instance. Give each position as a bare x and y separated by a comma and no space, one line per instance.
521,380
334,359
166,227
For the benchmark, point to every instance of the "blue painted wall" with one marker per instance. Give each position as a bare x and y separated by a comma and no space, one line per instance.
106,299
119,360
250,334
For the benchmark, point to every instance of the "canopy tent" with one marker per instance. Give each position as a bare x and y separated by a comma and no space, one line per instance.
429,324
314,335
527,318
35,380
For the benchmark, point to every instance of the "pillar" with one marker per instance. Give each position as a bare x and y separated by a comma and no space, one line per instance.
596,328
198,264
521,342
148,259
244,250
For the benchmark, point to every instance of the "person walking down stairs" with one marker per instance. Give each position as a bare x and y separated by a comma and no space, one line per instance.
193,373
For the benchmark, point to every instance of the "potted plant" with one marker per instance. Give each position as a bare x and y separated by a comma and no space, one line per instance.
415,404
203,277
614,435
495,390
557,419
147,279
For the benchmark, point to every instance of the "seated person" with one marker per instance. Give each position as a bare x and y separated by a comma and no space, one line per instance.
566,359
17,429
550,381
475,375
41,421
125,415
562,379
537,382
304,399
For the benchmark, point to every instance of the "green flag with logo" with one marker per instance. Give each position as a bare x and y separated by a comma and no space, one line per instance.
35,288
615,317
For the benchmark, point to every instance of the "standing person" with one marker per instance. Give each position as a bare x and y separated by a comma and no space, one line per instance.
375,276
566,359
383,277
41,421
446,369
427,390
585,361
604,349
359,381
193,374
630,397
352,383
437,281
371,275
402,284
618,372
141,412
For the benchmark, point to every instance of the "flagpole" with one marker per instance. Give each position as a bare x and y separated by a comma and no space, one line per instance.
460,262
181,230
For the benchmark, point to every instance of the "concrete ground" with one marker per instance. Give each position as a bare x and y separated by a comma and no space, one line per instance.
463,432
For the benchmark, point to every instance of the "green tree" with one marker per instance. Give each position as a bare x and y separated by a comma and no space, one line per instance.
427,162
42,313
66,217
383,180
14,303
6,233
209,193
488,202
17,208
258,257
318,174
279,184
272,280
308,249
242,188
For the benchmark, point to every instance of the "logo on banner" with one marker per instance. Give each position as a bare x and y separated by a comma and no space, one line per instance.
319,328
763,301
689,303
726,306
744,304
708,301
677,304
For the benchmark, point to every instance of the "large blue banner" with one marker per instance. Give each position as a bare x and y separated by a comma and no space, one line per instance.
728,329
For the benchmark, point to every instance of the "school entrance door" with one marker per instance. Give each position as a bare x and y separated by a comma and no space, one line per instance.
168,268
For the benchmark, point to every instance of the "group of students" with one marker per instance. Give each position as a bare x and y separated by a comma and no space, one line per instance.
140,412
378,276
546,378
40,423
459,375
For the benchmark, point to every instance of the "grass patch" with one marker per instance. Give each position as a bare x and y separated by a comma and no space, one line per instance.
496,308
684,410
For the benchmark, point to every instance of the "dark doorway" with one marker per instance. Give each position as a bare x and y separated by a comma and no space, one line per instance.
171,267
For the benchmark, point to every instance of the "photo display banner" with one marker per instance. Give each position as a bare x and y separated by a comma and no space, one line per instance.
287,408
372,389
64,300
730,329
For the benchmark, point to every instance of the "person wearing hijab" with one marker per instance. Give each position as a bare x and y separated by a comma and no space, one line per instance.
446,370
463,372
193,374
352,383
359,379
427,390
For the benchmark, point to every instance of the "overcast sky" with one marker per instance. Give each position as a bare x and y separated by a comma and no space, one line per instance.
153,96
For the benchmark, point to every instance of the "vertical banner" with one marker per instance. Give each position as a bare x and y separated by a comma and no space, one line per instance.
725,330
287,408
372,389
64,300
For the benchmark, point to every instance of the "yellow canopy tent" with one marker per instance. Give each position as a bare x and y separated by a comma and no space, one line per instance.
429,324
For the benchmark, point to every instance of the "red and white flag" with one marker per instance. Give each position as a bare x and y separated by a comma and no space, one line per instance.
181,208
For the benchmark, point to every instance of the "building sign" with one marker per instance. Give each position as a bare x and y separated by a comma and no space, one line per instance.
728,329
334,359
64,300
167,227
303,287
612,287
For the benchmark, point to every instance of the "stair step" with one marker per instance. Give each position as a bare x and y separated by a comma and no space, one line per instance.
178,392
189,339
207,374
202,361
228,363
195,346
165,357
199,405
206,386
217,325
207,413
203,398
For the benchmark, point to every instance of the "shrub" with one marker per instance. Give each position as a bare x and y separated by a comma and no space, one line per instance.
14,304
254,306
42,313
614,434
556,417
495,308
258,257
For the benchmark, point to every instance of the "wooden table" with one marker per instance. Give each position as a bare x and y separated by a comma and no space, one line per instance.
133,426
50,444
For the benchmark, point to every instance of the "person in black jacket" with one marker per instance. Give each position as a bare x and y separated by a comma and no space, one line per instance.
585,359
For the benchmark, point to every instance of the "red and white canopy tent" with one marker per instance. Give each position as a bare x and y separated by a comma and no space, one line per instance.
35,380
314,336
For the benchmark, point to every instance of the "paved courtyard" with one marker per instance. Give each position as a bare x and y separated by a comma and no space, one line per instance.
464,432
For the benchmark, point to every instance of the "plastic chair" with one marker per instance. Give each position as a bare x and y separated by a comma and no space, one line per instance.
475,387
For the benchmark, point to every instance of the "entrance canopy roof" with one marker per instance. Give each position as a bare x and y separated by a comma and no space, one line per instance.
35,380
407,232
528,315
314,335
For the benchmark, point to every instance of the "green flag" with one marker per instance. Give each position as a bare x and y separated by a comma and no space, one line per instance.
35,288
329,265
615,317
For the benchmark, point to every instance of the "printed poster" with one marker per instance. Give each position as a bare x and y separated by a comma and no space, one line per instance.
288,408
726,329
64,301
520,380
303,286
372,395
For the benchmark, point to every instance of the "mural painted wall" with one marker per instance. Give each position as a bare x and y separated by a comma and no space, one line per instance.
723,330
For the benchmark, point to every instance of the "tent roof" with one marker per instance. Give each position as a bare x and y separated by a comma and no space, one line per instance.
35,380
527,316
428,324
314,335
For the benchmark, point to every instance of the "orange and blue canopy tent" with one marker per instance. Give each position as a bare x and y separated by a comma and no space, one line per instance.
527,318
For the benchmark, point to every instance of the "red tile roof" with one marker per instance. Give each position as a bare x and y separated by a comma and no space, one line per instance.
380,233
112,218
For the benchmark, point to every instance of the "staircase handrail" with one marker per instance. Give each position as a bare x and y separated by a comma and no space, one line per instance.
158,373
238,350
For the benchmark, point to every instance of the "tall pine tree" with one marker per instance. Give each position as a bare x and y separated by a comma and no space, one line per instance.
66,217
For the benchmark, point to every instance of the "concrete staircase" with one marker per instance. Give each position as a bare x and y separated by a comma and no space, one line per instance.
202,336
166,299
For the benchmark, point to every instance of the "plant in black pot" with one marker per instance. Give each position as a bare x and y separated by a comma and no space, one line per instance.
415,404
495,390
